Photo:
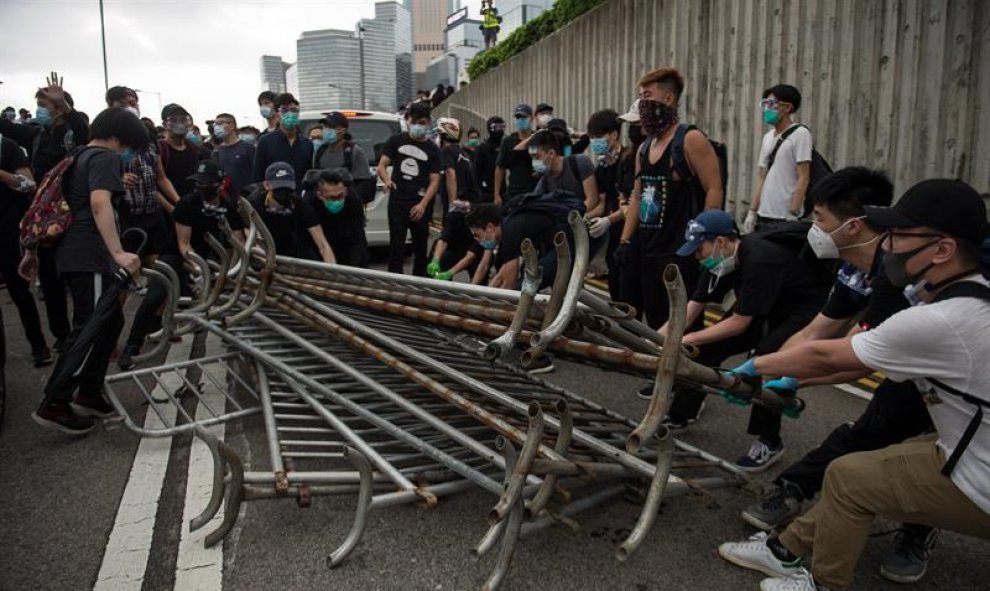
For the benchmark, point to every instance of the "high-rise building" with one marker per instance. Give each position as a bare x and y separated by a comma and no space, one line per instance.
387,45
292,80
325,70
516,13
273,73
463,40
429,19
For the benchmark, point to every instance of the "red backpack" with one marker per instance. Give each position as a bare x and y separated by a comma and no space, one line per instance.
49,216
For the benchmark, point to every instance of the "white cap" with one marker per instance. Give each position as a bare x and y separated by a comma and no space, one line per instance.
633,115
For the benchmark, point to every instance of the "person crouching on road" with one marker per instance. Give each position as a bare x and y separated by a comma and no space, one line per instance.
341,214
288,216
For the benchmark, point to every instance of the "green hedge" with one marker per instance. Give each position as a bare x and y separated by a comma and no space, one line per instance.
562,12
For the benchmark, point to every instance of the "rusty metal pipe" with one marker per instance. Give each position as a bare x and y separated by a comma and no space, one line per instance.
514,484
665,456
563,443
358,460
563,252
494,532
532,275
669,356
510,535
267,270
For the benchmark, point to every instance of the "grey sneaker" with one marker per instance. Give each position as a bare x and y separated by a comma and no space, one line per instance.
773,510
759,457
906,559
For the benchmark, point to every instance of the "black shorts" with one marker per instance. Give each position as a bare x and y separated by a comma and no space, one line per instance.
153,224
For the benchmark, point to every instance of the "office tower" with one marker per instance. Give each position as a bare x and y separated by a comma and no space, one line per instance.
429,19
273,73
327,70
516,13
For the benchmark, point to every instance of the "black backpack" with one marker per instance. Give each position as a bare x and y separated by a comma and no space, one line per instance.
678,160
556,204
820,168
794,235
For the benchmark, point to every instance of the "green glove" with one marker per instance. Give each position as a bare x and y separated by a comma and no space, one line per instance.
444,276
433,268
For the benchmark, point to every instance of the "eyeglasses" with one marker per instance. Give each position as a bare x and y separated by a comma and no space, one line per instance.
890,235
288,110
769,103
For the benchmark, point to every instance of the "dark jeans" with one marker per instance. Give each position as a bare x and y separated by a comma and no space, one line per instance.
761,337
86,290
147,317
642,282
20,293
53,288
451,258
352,252
896,412
398,225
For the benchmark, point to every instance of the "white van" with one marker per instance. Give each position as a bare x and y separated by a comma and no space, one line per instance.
370,130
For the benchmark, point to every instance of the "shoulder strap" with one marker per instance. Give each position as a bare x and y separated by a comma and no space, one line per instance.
678,159
575,170
965,289
971,428
348,156
787,133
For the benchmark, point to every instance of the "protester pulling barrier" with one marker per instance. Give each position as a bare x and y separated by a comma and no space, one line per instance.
376,384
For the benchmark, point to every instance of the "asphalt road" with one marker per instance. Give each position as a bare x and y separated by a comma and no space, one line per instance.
61,496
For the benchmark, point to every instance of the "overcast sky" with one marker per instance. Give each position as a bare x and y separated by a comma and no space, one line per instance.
202,54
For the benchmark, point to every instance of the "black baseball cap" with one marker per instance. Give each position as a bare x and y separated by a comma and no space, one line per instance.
543,107
947,205
171,109
524,110
336,119
280,175
207,173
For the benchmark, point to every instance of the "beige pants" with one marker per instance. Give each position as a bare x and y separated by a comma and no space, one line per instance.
902,482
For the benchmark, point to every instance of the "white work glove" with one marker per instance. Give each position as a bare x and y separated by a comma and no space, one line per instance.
750,224
598,226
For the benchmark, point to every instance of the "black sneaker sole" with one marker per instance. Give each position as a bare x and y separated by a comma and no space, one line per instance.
903,579
50,424
44,362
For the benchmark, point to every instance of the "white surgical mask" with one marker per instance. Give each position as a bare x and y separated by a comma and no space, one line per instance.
823,244
133,110
543,119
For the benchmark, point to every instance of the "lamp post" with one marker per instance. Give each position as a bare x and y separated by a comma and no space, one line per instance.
364,105
103,39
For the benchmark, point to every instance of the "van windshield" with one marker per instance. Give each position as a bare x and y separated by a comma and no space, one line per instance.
370,134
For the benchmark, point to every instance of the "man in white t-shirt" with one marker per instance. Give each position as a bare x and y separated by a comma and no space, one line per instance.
784,170
933,243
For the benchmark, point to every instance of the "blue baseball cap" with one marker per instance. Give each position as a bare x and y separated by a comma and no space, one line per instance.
706,226
524,109
280,175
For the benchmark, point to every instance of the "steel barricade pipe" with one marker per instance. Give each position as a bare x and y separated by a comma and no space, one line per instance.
514,485
241,269
563,253
665,456
358,460
509,533
218,490
167,275
669,357
530,285
267,271
563,443
234,495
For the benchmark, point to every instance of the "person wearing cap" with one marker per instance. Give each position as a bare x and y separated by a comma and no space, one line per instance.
544,114
862,297
234,155
341,213
288,216
412,184
179,156
515,161
340,151
777,292
285,144
932,251
486,157
197,214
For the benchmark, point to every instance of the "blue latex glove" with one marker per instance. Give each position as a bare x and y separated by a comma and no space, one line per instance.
747,370
785,384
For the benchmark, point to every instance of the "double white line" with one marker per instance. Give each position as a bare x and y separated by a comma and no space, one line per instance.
125,559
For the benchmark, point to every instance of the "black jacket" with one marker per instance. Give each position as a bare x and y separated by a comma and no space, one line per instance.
46,147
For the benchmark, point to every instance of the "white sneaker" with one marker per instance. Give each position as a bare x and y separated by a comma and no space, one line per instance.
799,581
754,554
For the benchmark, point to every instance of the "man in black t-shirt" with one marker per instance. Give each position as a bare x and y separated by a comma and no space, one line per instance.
778,291
490,230
179,157
485,157
412,185
340,210
287,216
16,189
87,255
518,163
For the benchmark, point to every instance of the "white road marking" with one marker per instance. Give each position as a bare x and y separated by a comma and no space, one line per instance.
125,558
197,567
855,391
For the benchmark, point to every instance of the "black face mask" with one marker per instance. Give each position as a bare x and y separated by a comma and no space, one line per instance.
636,136
895,266
495,138
284,196
208,191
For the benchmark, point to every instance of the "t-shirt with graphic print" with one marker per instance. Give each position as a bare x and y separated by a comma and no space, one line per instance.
666,205
412,164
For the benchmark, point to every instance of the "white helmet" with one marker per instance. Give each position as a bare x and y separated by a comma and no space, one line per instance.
450,128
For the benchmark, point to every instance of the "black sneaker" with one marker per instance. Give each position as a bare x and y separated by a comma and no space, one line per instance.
906,559
59,344
92,406
42,356
125,361
60,417
676,423
773,510
542,364
761,455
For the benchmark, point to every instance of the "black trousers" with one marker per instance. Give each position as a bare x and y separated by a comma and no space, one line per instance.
86,290
53,288
614,270
352,252
398,225
19,290
761,337
896,412
147,317
642,282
